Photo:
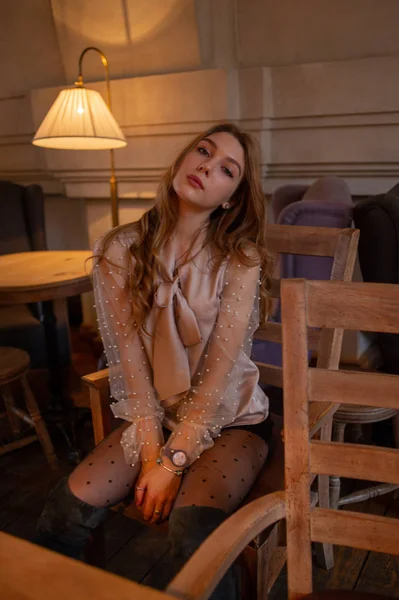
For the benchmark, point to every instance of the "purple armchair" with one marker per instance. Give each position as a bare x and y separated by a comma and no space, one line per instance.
326,203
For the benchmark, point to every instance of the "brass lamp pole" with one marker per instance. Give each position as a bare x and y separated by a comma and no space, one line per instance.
79,119
112,181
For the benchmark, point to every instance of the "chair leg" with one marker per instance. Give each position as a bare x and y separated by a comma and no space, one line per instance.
335,481
262,566
9,404
255,573
367,493
39,424
324,552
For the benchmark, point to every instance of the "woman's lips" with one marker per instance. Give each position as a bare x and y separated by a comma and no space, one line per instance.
195,181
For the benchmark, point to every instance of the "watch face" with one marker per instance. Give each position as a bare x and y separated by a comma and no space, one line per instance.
179,458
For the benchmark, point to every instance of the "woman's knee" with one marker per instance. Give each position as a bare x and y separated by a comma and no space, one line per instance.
249,447
104,478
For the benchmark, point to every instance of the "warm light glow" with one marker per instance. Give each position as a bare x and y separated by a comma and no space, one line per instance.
79,119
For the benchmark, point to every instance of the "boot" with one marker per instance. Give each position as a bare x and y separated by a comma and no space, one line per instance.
66,523
189,526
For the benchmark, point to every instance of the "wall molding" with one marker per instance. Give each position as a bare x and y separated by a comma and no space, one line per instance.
303,131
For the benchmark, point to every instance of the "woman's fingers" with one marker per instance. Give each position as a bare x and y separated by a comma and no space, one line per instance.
157,514
167,509
140,492
148,508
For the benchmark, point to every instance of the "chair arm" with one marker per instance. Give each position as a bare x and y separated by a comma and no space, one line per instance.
201,574
98,380
99,403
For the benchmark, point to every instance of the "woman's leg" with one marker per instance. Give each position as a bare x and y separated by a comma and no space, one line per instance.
104,478
215,486
223,475
76,506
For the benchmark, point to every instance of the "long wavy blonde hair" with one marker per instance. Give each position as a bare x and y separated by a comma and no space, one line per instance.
230,233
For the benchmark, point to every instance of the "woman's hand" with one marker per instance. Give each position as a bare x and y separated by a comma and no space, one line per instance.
161,489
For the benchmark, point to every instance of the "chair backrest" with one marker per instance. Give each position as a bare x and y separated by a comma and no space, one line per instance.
341,246
22,225
326,203
332,305
315,265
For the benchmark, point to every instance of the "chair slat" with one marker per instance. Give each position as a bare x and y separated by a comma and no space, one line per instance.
272,333
354,387
375,308
365,531
354,461
312,241
270,375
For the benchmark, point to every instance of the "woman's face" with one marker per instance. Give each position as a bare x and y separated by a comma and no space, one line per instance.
211,172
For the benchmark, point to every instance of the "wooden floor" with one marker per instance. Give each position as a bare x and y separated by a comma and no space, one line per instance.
141,553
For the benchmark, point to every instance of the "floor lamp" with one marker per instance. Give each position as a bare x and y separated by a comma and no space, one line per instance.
79,119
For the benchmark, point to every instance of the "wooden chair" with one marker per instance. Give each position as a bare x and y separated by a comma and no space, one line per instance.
329,305
357,416
14,366
266,555
341,244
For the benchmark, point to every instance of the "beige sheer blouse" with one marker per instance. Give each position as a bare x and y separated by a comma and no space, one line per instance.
190,371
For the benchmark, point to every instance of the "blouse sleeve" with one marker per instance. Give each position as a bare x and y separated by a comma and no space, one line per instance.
215,392
130,374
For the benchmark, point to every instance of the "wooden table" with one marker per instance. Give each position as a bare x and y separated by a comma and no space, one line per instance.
42,276
29,572
48,278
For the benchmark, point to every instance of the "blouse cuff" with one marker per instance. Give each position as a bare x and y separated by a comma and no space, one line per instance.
144,438
192,438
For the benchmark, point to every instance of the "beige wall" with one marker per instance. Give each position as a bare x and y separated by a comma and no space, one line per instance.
286,32
314,81
66,223
41,40
30,55
138,36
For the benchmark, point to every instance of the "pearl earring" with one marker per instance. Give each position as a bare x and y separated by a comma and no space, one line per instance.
226,205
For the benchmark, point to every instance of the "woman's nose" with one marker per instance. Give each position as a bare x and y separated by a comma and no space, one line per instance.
203,169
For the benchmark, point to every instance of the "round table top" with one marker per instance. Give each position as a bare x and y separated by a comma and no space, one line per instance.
46,275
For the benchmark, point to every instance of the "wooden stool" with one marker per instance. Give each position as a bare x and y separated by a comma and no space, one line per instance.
357,415
14,365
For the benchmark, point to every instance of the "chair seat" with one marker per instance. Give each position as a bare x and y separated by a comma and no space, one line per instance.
13,362
353,413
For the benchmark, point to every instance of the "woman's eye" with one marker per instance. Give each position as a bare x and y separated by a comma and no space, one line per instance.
227,171
203,151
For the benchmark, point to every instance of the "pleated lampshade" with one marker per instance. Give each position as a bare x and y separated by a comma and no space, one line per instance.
79,119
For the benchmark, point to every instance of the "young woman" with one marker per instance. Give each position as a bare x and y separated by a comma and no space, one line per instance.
178,296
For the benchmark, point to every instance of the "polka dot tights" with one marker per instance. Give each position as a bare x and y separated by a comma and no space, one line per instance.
220,478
